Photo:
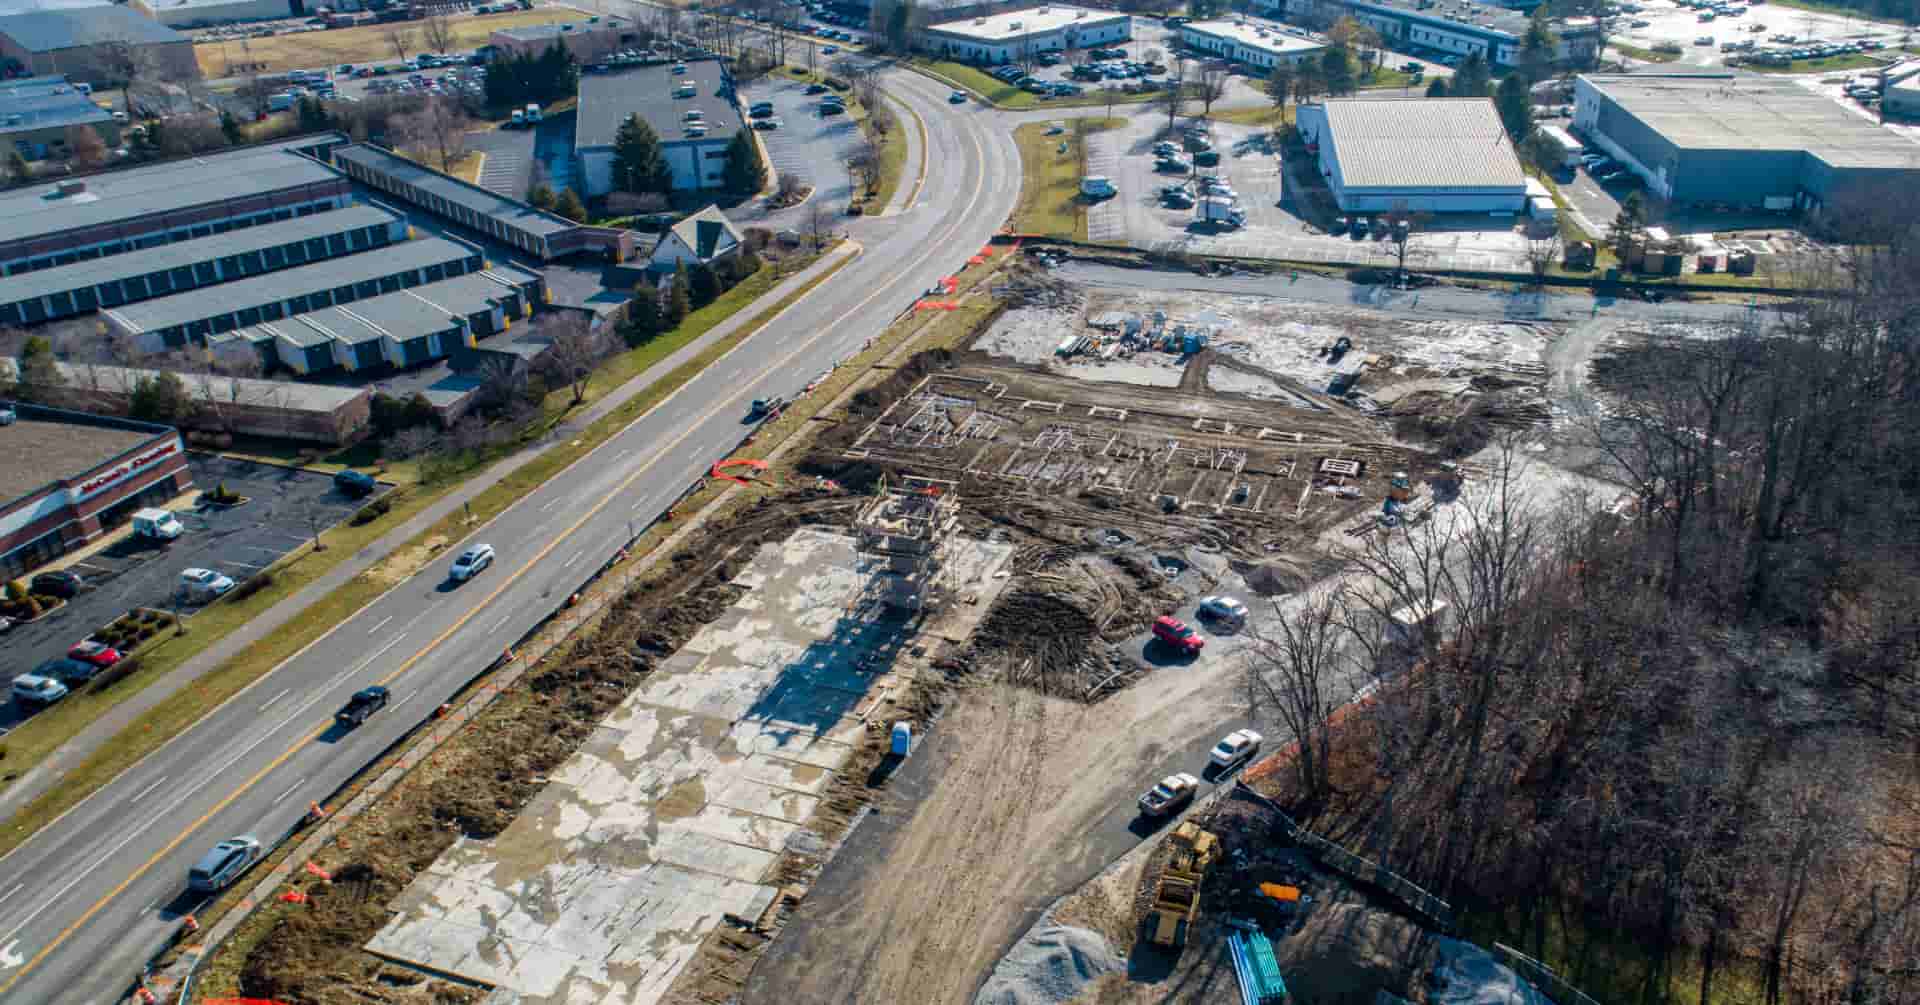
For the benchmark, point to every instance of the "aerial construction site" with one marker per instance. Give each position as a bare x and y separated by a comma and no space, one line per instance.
876,734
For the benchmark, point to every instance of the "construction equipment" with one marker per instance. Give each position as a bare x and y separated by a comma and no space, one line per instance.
1176,900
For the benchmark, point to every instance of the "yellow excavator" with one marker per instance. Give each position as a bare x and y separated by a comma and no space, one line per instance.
1176,900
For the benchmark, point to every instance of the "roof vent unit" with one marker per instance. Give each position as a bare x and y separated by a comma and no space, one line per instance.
1013,26
979,20
73,187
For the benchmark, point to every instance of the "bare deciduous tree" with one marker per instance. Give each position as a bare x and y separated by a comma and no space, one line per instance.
399,38
1402,223
437,31
575,349
1296,674
1211,85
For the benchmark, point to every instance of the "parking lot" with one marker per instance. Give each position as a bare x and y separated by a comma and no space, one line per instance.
808,145
1251,167
1702,43
284,507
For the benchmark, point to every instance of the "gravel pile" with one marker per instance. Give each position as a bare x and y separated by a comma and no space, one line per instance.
1049,967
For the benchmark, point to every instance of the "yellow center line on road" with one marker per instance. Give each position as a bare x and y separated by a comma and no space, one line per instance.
730,401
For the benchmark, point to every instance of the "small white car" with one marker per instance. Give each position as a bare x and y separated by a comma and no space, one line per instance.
204,583
471,562
1173,792
1225,610
1235,748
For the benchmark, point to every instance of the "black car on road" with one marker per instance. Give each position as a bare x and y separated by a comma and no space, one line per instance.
364,703
62,583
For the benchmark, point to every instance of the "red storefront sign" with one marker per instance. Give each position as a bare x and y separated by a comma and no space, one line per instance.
121,471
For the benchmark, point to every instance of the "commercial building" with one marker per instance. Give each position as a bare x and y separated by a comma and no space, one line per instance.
70,476
1438,155
1020,34
704,238
401,330
1736,140
1256,43
509,221
197,13
49,224
587,40
1900,92
86,44
82,287
1446,27
37,112
283,409
176,321
691,106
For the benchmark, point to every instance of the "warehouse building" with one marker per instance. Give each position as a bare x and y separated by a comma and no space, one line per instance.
691,106
199,13
400,330
37,112
1018,35
1438,155
1446,27
1900,93
71,476
587,41
315,413
49,224
86,44
1713,140
83,287
509,221
176,321
1251,42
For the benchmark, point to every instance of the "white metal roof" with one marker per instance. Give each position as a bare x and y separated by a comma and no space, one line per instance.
1254,33
1015,24
1435,143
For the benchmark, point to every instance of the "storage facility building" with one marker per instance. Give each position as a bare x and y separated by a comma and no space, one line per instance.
175,321
82,287
83,43
36,112
196,13
587,40
694,112
1250,41
282,409
401,330
1452,27
70,476
1738,140
1438,155
1900,94
48,224
1020,34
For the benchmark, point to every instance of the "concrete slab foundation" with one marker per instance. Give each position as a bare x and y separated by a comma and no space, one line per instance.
669,817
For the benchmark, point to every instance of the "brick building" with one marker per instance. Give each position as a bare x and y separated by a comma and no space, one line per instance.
70,476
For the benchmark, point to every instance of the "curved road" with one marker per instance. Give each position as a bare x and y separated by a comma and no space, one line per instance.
86,901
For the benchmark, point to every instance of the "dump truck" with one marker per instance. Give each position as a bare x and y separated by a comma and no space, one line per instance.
1176,899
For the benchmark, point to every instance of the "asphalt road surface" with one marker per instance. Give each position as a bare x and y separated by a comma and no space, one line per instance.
91,897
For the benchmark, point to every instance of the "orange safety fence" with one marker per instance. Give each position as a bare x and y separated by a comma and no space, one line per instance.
240,1001
720,472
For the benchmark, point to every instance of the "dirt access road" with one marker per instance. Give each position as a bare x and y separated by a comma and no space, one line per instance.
1026,796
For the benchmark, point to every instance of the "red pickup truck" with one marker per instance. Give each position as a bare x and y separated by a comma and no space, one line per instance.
1178,634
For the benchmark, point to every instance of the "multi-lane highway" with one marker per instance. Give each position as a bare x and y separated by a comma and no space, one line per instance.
92,896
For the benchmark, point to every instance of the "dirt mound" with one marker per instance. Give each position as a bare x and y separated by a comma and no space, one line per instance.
1051,965
1345,951
1271,579
1039,640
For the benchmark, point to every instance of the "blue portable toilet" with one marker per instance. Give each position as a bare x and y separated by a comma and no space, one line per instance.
902,739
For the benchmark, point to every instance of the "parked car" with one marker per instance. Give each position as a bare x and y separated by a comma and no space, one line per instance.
217,869
1234,749
204,584
1207,158
1223,609
760,110
1173,792
63,583
1165,149
471,562
364,703
765,124
1178,634
34,691
97,653
66,670
957,98
354,483
1177,199
816,88
1172,164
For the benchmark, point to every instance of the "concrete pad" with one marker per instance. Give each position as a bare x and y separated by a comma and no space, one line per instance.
750,796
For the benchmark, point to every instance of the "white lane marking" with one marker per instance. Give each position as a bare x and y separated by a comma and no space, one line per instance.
403,701
375,630
277,697
17,887
623,451
551,503
142,794
290,788
504,618
8,958
576,557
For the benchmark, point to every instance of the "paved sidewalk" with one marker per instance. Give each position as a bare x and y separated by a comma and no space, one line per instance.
50,771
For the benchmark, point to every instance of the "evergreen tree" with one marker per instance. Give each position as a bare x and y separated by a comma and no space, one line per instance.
1515,106
539,196
39,374
1629,226
1438,88
230,127
642,322
679,299
569,205
703,285
745,264
1537,48
746,173
1336,70
19,172
1280,85
162,397
639,166
1472,79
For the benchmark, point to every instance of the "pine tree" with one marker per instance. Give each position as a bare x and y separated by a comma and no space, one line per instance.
1629,227
679,299
643,321
703,285
639,166
569,205
1336,70
746,173
1537,48
1515,106
1438,88
539,196
1472,79
1280,85
230,127
19,172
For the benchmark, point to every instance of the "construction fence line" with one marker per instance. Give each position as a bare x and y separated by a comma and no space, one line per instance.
1542,977
1431,910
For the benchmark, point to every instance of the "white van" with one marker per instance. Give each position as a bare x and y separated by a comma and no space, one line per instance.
157,524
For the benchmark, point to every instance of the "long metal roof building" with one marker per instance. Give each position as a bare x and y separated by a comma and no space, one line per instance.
1436,155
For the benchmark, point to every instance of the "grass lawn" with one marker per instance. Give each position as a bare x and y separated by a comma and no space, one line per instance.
358,45
1004,95
1850,61
1385,77
26,746
1050,171
1644,55
1262,115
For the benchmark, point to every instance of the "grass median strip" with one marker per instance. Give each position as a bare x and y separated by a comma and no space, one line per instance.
27,746
1051,166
